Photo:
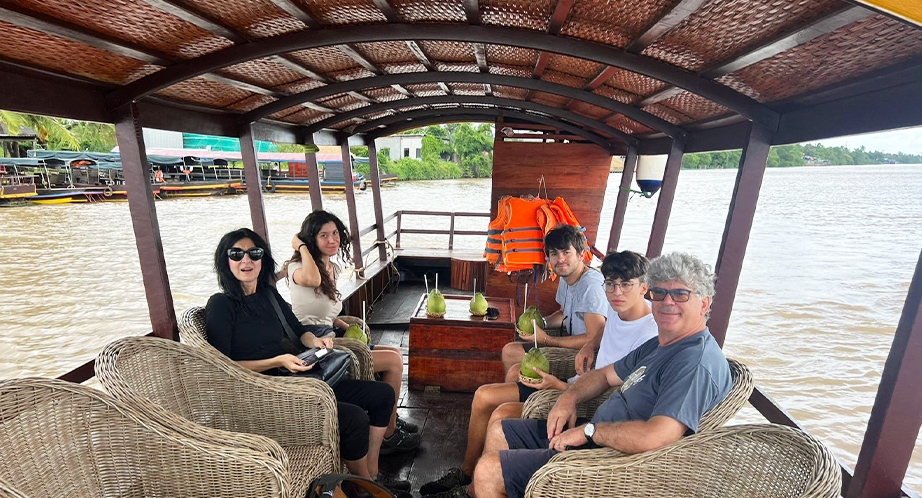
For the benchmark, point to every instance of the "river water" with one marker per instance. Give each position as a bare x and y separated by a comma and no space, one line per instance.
828,266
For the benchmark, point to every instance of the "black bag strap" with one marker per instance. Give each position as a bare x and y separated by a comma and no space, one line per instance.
278,311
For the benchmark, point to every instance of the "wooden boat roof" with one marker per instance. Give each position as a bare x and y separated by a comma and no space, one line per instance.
609,72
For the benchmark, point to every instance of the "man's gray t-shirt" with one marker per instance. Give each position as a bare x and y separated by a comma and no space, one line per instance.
681,381
587,295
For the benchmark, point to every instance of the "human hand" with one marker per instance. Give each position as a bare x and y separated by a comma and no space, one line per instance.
585,359
563,414
296,242
325,342
542,336
548,381
293,364
571,437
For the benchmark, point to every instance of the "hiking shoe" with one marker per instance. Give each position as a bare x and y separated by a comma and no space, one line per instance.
407,426
392,483
455,492
454,478
400,440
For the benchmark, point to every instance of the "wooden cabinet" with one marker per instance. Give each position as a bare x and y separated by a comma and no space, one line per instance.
458,352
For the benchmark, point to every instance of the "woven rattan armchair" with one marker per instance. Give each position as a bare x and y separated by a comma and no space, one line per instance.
539,404
192,331
206,387
768,461
65,439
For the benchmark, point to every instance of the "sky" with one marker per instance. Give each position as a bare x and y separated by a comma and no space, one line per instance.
908,140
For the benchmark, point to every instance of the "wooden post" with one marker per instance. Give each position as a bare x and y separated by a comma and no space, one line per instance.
666,196
350,202
617,220
144,222
254,183
313,177
375,174
897,412
736,230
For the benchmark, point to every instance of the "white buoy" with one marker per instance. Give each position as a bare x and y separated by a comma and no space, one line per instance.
650,170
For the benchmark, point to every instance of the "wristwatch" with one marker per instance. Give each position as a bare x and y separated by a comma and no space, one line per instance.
589,431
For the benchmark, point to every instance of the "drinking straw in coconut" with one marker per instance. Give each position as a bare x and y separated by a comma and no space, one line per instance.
436,281
426,279
475,286
525,299
364,323
535,328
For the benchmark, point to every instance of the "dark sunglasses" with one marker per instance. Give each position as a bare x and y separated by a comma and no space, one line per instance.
255,253
678,295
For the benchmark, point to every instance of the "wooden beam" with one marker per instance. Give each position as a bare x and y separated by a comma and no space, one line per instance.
466,77
390,13
617,220
472,11
144,222
307,39
897,412
461,100
183,12
353,53
666,197
298,11
421,55
375,175
673,18
740,214
254,183
350,204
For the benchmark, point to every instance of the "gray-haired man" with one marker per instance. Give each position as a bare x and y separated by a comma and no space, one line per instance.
666,385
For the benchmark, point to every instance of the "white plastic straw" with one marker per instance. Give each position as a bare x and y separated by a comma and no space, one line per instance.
525,299
535,329
475,286
436,281
363,317
426,279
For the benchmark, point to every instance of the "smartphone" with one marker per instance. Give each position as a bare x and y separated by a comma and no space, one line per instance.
313,355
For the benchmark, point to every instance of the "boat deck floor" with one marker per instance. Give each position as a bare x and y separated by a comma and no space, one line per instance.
441,417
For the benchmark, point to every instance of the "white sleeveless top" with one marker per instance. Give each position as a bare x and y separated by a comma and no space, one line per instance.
307,305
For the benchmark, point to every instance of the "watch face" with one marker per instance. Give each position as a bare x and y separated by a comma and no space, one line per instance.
589,430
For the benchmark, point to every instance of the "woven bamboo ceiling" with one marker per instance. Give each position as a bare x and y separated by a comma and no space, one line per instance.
614,71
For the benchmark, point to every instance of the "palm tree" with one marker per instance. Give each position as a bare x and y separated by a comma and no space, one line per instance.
45,127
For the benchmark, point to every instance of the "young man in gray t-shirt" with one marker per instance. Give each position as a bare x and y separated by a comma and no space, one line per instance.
583,304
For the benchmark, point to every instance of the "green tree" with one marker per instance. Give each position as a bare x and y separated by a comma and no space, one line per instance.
47,129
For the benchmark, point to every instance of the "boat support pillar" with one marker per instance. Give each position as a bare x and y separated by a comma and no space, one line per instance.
737,228
254,183
617,221
375,174
350,202
144,221
666,196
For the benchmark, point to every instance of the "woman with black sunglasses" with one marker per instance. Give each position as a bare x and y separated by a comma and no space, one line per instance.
242,323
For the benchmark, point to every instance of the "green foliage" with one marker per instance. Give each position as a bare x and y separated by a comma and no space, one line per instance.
800,155
418,169
288,148
359,150
47,129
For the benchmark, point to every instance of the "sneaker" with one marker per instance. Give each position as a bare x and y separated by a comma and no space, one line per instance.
392,483
454,478
400,440
407,426
455,492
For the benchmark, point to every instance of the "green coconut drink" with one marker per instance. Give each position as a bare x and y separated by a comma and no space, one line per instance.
478,305
524,325
355,331
534,358
435,304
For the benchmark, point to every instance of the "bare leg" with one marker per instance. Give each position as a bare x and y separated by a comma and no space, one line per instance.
375,437
486,399
513,353
496,438
359,467
389,363
507,410
512,373
488,478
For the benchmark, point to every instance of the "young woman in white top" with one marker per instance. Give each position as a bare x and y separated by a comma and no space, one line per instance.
317,304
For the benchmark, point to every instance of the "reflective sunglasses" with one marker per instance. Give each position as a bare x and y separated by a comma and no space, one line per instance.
625,287
255,253
678,295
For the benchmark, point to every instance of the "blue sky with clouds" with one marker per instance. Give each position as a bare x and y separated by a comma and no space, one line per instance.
908,140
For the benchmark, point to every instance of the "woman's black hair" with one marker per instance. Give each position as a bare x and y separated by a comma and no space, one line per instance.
308,234
226,279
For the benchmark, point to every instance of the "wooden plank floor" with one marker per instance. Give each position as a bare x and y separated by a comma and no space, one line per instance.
441,417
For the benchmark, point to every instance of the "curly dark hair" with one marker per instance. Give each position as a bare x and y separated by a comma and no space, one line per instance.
308,234
625,265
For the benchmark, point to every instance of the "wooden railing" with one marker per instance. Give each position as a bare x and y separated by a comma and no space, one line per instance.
395,235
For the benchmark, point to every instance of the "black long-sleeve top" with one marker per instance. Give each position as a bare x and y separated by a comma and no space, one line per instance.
250,330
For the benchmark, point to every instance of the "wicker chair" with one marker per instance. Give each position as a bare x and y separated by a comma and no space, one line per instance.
539,404
768,461
192,331
65,439
204,386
